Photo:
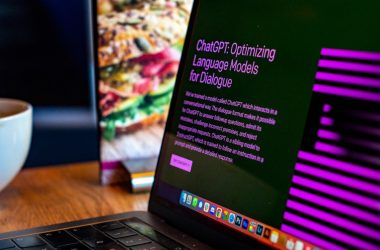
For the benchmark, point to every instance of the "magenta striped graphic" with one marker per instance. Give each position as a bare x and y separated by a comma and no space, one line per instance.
340,165
354,67
327,121
338,193
345,92
330,149
336,206
347,79
335,189
327,217
322,229
329,135
351,54
339,179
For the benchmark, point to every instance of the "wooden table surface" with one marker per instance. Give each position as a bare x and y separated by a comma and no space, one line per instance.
56,194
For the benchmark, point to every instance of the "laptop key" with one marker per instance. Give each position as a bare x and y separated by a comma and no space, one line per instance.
109,226
75,246
83,232
97,240
134,240
110,246
59,238
154,235
150,246
120,233
46,247
4,244
29,241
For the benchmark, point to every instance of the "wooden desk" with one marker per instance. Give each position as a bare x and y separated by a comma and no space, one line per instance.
51,195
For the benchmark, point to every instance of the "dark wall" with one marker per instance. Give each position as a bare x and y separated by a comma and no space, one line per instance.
45,60
59,146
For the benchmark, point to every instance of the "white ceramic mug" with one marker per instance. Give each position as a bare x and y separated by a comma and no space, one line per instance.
15,137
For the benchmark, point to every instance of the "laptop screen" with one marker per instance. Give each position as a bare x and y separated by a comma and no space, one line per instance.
274,126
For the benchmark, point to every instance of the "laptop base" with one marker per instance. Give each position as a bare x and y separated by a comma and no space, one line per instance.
132,230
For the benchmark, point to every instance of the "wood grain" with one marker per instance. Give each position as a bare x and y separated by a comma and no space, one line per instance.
51,195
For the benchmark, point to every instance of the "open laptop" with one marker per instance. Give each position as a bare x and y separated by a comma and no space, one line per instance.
272,139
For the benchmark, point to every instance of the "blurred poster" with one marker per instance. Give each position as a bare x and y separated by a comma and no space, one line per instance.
140,44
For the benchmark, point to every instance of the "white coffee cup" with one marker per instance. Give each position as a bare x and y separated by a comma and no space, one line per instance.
15,137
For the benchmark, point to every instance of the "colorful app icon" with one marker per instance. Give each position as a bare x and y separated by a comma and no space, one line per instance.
282,240
244,225
195,202
267,232
289,244
259,229
183,197
299,245
206,207
231,218
225,215
218,213
274,237
252,226
189,199
238,220
212,210
200,204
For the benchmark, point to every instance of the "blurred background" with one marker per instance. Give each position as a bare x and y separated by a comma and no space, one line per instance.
45,59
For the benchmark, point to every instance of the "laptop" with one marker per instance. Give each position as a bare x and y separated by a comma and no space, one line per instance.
272,139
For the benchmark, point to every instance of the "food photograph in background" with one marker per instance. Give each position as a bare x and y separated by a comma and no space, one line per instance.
139,49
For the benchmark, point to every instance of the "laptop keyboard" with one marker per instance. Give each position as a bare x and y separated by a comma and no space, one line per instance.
125,234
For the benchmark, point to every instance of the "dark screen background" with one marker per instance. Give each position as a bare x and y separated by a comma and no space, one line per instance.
44,47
